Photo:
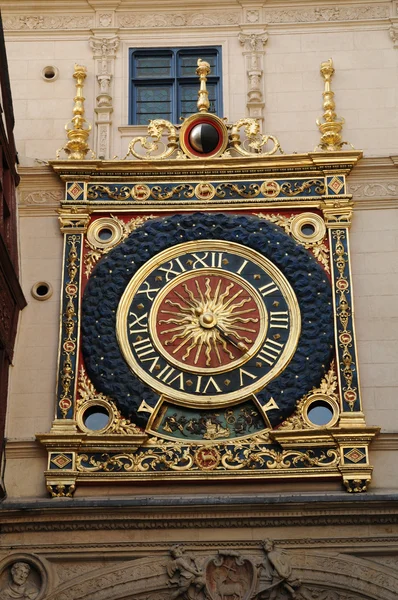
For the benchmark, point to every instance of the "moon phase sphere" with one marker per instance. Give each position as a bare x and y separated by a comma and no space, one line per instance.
204,138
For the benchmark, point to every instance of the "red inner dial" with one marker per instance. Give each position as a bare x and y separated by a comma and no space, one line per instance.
207,321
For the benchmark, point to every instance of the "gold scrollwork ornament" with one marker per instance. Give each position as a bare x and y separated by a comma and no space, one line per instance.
156,128
255,142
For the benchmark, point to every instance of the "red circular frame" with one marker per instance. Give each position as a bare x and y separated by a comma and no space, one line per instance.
199,121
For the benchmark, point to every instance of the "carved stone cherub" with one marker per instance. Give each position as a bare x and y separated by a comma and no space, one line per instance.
276,573
184,573
19,586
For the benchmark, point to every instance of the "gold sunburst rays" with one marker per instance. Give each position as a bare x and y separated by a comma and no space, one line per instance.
209,321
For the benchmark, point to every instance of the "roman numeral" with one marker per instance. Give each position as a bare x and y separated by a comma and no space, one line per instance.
143,347
148,289
280,320
168,371
209,259
142,322
216,259
170,270
270,351
271,404
243,372
267,289
206,387
239,271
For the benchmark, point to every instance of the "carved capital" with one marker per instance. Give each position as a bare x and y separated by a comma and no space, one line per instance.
253,42
338,215
74,219
104,47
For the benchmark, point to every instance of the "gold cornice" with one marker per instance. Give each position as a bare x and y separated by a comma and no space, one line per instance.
308,164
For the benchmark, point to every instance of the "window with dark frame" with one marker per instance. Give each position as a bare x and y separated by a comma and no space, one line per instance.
164,84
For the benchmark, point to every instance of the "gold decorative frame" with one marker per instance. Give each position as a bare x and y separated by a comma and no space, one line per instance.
287,190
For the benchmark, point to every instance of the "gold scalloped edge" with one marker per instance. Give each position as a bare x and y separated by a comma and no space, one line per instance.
89,395
327,387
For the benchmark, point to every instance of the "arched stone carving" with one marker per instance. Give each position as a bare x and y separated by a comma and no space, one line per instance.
323,576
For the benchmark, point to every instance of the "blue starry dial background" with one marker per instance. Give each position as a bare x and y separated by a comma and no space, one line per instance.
104,362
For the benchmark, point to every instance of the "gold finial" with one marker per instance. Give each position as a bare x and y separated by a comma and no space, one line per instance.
77,130
331,139
203,71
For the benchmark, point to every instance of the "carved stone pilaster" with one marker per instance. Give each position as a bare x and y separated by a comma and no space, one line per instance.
254,44
394,32
104,51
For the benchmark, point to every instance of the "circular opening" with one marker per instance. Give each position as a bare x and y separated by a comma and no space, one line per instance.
105,234
308,229
320,413
41,290
49,73
96,418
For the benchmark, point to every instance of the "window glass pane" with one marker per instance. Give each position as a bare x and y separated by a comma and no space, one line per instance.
152,66
153,103
189,63
189,98
164,83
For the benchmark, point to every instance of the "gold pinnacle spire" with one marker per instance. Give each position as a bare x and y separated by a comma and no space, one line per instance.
331,139
203,71
77,130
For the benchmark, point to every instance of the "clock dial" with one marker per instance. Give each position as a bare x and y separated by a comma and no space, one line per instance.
207,269
207,321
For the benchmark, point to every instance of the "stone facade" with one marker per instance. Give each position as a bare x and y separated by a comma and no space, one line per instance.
116,542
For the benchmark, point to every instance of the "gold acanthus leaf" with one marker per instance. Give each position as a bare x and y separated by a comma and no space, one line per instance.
284,222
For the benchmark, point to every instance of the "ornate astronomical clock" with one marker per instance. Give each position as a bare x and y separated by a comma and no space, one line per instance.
206,326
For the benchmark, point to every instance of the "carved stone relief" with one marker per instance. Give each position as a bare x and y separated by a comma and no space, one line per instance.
38,22
104,51
254,44
21,579
181,19
38,197
327,14
265,572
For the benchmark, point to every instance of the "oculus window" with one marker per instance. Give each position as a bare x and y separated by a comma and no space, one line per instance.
164,84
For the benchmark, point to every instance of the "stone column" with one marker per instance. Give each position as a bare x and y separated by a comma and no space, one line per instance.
254,44
104,50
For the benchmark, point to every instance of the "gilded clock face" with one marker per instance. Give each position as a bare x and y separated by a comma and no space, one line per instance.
207,311
207,321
